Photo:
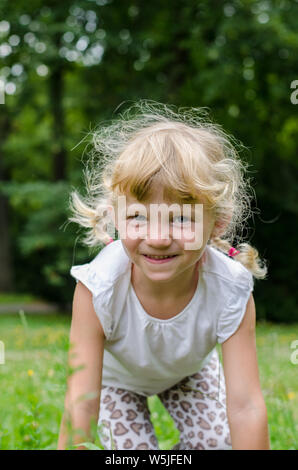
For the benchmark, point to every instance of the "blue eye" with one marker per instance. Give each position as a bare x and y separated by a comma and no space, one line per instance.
138,218
185,221
135,217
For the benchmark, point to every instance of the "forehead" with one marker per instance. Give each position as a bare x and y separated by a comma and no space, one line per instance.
131,201
174,207
160,195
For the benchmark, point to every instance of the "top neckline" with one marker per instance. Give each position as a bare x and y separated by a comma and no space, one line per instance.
168,320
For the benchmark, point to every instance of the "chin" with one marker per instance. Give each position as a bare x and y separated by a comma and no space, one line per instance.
158,277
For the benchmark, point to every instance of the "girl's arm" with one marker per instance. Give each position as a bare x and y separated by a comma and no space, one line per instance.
246,409
82,397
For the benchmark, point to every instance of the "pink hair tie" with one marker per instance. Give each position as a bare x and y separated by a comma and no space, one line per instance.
233,252
110,241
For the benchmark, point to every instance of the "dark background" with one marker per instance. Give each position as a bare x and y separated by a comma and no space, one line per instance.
68,65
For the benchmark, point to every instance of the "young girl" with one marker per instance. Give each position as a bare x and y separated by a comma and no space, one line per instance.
148,311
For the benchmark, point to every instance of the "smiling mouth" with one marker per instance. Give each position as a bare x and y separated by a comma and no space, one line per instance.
160,257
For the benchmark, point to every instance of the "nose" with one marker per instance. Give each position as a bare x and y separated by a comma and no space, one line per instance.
159,236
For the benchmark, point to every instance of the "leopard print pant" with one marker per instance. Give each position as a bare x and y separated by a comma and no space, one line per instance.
197,404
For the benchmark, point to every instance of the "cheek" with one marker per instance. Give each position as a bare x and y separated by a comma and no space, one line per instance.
129,244
190,232
194,238
182,232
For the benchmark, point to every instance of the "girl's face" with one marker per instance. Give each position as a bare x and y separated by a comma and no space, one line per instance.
181,229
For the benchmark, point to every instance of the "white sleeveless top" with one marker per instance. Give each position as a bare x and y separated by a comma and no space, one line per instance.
145,354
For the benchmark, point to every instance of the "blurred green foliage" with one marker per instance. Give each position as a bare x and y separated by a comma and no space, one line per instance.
69,65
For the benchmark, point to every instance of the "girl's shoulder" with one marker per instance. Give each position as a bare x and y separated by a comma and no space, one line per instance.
107,276
218,264
105,269
230,281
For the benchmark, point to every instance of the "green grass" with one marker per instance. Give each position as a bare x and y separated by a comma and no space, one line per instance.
6,298
33,382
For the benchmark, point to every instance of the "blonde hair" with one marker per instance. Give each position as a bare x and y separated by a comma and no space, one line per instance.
182,150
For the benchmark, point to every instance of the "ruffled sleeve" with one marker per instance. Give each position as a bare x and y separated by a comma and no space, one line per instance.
231,316
86,273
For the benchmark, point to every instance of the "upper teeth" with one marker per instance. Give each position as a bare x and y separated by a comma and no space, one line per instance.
160,257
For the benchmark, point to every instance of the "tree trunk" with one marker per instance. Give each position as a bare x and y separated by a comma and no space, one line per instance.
6,265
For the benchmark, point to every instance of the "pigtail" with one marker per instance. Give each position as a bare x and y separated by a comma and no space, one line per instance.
95,218
246,255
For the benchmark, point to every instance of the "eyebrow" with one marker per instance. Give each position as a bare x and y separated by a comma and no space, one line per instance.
175,210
